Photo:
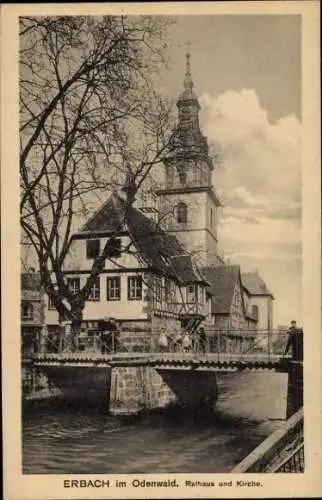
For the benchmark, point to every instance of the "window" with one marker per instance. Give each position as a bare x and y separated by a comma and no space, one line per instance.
113,288
201,294
134,288
27,311
94,294
211,216
73,285
255,311
158,289
92,249
182,177
191,293
167,290
51,305
182,213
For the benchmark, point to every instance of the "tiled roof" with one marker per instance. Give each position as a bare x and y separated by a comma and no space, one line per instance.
158,248
108,218
222,281
254,284
186,270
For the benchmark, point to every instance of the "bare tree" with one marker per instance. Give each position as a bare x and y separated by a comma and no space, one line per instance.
89,119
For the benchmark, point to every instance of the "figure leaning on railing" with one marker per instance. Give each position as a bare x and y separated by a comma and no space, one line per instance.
295,342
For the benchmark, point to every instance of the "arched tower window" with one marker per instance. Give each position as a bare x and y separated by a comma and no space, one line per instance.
211,217
182,212
182,176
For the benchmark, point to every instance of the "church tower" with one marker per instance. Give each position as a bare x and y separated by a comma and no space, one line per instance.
188,201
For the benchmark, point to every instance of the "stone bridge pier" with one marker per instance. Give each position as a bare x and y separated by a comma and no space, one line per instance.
144,387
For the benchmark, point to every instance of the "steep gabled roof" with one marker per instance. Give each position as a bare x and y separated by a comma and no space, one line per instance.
222,281
186,270
108,218
159,249
255,285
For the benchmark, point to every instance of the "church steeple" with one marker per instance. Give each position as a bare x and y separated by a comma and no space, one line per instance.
188,200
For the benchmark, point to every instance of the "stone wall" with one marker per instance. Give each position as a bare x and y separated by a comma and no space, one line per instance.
136,388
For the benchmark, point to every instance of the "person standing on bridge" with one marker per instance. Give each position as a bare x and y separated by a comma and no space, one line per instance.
186,342
202,339
295,341
163,341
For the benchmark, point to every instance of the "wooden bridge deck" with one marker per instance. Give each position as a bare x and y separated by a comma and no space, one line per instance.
171,361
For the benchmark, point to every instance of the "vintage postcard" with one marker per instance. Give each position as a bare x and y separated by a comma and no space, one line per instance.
161,250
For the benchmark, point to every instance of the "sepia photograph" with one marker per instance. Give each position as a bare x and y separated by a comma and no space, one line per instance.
160,197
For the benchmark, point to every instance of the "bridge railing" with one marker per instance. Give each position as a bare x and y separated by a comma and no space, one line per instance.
229,344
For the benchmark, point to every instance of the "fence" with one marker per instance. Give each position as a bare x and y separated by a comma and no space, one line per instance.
258,344
282,451
294,462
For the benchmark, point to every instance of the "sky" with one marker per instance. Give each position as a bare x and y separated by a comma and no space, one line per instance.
247,76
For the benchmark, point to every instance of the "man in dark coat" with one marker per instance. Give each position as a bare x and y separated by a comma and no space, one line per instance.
295,341
202,339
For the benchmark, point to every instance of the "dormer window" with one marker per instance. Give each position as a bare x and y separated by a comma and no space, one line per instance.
182,213
93,248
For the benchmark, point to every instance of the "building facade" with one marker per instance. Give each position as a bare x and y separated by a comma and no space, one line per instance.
260,299
150,282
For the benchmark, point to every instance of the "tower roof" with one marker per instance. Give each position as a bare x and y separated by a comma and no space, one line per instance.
188,94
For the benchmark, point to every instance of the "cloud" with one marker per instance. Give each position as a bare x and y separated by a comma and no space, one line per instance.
258,179
262,158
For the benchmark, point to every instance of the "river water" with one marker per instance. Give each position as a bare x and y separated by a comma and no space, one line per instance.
65,439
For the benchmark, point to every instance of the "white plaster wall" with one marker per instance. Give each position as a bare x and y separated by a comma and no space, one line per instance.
120,309
263,311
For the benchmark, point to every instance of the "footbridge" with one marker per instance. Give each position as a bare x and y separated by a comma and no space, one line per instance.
148,376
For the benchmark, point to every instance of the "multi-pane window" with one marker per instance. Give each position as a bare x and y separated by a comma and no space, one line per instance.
113,288
158,289
51,305
182,212
93,248
191,293
94,294
73,285
134,288
27,311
